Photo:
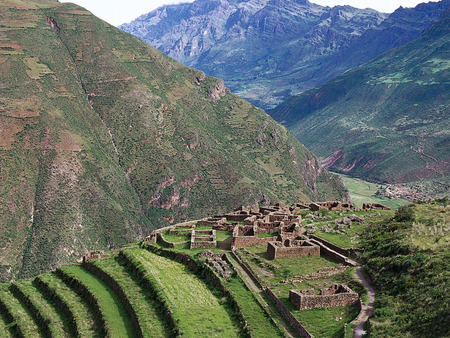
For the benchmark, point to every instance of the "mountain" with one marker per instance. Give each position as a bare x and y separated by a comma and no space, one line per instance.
103,138
263,49
267,51
386,121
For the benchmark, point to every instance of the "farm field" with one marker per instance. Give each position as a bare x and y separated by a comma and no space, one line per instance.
150,320
197,310
109,302
366,192
82,314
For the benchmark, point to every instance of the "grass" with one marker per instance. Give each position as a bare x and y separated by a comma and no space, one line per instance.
351,238
321,322
430,228
258,320
46,308
21,314
110,304
197,310
344,241
181,237
81,312
150,321
267,234
366,192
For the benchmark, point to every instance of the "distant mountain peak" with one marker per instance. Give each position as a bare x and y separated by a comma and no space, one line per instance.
267,51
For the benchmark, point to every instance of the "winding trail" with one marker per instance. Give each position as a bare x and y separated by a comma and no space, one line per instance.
366,310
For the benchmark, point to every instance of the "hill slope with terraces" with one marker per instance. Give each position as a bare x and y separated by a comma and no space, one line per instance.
103,138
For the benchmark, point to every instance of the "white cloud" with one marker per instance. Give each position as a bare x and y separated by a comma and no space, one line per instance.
117,12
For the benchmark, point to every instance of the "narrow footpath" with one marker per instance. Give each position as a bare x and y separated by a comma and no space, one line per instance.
366,310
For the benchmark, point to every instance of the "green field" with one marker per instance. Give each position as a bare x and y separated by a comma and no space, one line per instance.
109,302
258,320
198,312
22,315
56,325
81,312
150,321
366,192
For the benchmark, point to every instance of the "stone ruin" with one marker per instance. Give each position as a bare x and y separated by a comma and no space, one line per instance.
374,206
334,205
216,261
203,239
336,295
97,254
292,248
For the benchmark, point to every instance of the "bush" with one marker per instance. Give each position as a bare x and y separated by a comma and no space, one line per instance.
404,214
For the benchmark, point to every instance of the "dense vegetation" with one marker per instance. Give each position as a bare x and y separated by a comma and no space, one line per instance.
104,138
408,259
386,120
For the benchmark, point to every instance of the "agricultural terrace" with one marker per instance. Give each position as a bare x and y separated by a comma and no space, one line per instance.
198,311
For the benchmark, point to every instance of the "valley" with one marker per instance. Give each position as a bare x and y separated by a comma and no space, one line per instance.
142,197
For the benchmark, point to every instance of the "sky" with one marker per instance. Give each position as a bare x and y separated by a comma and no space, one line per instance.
117,12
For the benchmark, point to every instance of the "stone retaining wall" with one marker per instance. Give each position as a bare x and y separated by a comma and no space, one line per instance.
246,241
294,322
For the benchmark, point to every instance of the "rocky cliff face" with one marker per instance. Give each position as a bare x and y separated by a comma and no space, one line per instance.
255,44
267,50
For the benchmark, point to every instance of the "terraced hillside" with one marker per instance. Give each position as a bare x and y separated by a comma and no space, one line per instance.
386,121
103,138
153,290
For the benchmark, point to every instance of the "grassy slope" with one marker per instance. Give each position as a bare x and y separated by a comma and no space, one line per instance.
259,322
115,138
80,310
389,116
21,314
408,260
197,310
57,325
110,304
146,309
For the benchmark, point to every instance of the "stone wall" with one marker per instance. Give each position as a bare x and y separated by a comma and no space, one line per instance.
336,295
246,241
203,239
326,251
297,249
332,246
166,243
294,322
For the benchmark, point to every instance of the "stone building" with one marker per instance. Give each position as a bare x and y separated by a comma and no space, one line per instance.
203,239
292,248
336,295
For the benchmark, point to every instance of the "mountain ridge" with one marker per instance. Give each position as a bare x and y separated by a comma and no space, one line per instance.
267,51
386,120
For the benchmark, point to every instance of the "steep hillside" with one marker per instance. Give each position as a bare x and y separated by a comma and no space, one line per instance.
408,259
267,51
387,120
104,137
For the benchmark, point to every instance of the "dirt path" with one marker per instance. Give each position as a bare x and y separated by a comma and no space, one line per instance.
366,310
